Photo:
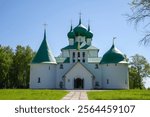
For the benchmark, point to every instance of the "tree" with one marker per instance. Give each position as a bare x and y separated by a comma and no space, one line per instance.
14,66
138,70
6,61
140,13
21,68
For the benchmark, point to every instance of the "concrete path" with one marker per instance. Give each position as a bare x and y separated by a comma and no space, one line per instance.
76,95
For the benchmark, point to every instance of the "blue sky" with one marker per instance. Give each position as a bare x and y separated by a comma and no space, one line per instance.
21,23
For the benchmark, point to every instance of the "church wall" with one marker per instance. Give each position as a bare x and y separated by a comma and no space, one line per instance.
61,72
71,41
93,53
65,53
78,72
97,72
76,56
115,76
80,39
42,75
89,41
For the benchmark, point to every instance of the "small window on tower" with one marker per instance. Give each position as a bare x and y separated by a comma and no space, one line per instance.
83,60
39,80
73,54
83,54
73,61
96,66
61,66
125,81
107,81
78,54
78,60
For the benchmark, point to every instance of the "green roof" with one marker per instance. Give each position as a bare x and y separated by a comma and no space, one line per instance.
113,55
81,45
80,30
71,34
89,34
62,60
44,55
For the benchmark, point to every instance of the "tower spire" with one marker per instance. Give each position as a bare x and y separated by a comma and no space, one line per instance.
114,41
88,25
80,18
45,30
71,26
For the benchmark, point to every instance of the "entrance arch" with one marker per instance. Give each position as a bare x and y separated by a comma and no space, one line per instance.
78,83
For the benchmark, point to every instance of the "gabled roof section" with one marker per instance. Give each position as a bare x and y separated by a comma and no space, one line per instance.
81,65
83,45
44,54
74,46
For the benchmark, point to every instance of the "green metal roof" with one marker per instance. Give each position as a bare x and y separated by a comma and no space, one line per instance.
80,29
62,60
81,45
89,47
89,34
44,55
71,34
113,55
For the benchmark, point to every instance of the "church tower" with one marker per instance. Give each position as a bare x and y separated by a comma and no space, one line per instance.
43,67
115,69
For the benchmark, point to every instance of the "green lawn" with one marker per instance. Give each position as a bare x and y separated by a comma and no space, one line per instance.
29,94
119,95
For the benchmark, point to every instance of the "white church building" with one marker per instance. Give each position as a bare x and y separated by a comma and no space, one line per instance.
78,66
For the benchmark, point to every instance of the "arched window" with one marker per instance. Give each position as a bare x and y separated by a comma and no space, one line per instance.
83,54
96,66
73,55
61,66
78,54
107,81
39,80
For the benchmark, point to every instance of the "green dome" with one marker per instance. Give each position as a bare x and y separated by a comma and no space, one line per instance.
80,30
71,34
89,34
113,55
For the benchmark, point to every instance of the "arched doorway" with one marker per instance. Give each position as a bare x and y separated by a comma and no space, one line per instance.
78,83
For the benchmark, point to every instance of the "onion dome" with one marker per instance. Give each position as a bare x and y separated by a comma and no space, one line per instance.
71,34
89,34
80,30
113,55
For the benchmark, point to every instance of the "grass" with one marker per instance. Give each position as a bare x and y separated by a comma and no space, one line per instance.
29,94
119,95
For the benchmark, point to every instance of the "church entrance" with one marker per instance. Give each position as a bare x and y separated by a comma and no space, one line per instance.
78,83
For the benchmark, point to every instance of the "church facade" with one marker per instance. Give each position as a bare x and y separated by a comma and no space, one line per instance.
78,66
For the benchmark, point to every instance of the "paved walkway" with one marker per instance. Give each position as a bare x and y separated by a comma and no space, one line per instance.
76,95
